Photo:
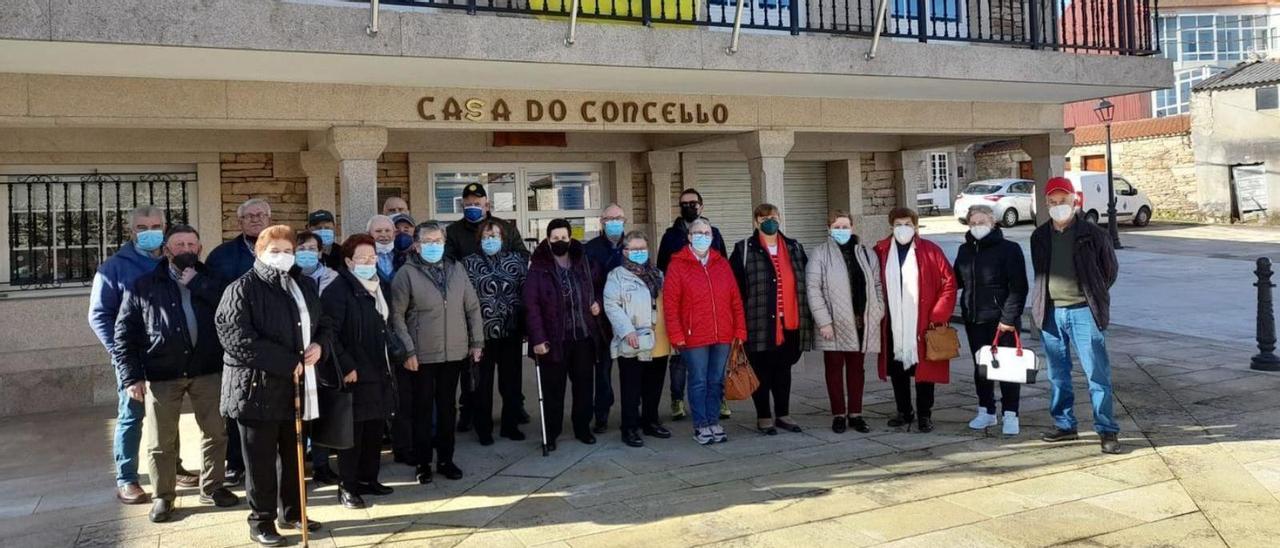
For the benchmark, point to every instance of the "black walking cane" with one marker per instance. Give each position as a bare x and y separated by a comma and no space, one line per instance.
297,428
542,414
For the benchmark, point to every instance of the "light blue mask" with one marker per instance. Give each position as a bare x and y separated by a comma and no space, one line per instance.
432,253
150,240
841,235
306,259
613,229
325,235
701,242
365,271
639,256
491,246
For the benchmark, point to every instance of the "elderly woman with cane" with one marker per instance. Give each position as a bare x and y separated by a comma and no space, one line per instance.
269,323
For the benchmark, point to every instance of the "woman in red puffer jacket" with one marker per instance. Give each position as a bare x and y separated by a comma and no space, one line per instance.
703,310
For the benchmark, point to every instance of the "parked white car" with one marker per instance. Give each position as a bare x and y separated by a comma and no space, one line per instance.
1012,200
1131,204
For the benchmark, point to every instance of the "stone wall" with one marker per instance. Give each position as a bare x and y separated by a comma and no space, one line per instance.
999,164
274,177
1162,167
639,198
393,176
882,176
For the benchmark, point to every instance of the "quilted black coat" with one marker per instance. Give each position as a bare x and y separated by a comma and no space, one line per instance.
360,343
758,283
151,344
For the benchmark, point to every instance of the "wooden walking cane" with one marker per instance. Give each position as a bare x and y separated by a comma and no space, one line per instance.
302,480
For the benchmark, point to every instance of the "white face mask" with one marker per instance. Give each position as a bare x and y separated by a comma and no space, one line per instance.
1061,213
383,249
980,231
904,233
279,261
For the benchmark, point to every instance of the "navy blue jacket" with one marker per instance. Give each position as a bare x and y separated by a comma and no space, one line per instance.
231,259
677,237
151,339
115,276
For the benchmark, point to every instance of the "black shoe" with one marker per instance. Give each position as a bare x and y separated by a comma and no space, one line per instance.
266,535
449,470
767,430
859,425
587,439
1058,435
324,475
373,488
349,500
839,425
424,474
900,420
187,478
632,438
524,416
656,430
220,497
161,511
233,477
925,424
1111,443
464,421
600,427
551,446
788,426
485,439
312,525
513,434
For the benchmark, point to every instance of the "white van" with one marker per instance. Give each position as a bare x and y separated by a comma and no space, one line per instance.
1131,204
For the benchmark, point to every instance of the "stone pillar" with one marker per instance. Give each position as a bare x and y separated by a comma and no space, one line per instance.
844,185
766,152
356,149
1047,152
661,165
322,171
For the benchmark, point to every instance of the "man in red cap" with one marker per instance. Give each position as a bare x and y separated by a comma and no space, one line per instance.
1075,266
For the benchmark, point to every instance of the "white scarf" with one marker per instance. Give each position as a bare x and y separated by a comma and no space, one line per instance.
903,319
310,393
375,289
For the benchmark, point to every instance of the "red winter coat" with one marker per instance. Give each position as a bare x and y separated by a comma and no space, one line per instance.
937,302
702,305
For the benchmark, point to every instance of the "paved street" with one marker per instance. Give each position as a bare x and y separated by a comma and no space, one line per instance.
1202,469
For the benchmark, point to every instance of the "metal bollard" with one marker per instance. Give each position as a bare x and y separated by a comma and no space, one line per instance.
1266,359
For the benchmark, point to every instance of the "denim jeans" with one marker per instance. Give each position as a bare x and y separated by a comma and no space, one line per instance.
1062,329
603,389
705,366
678,377
128,438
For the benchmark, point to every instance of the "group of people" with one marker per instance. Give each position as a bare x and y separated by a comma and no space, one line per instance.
408,321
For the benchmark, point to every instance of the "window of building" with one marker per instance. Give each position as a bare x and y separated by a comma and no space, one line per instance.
1215,37
61,226
530,194
1177,100
939,10
1265,98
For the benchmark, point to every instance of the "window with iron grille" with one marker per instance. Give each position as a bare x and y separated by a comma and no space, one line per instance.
60,227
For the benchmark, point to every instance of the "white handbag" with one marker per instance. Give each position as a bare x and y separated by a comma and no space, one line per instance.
1008,364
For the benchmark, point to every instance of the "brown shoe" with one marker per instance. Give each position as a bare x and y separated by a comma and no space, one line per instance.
132,493
186,478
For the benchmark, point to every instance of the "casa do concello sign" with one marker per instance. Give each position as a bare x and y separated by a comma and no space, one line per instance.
556,110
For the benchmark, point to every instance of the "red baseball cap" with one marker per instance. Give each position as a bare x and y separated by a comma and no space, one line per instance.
1059,184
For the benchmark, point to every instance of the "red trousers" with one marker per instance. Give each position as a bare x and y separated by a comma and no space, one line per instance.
844,375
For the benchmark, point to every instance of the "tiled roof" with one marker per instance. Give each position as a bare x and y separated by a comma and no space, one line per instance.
1244,75
1134,129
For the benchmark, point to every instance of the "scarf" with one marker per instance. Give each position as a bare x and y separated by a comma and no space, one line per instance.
436,273
651,276
310,392
902,283
374,287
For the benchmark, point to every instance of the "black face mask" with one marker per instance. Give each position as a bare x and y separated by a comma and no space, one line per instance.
183,261
560,248
688,212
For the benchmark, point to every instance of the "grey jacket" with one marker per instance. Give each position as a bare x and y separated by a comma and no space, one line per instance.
831,299
437,328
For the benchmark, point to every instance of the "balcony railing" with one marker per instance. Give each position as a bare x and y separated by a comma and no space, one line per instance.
1121,27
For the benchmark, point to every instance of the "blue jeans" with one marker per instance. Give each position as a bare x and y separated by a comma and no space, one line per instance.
705,365
603,388
1062,329
128,438
678,377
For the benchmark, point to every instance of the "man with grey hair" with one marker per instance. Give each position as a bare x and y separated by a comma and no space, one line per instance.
116,276
604,252
383,230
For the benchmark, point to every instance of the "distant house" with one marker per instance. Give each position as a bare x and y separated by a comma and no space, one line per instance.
1236,132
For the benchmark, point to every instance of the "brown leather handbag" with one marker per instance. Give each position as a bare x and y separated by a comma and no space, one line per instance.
941,343
740,381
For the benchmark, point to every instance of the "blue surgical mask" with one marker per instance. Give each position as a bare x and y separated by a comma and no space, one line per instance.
306,259
325,235
701,242
613,228
491,245
365,271
150,240
639,256
841,235
432,253
474,214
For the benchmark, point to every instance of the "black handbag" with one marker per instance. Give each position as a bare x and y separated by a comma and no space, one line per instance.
335,427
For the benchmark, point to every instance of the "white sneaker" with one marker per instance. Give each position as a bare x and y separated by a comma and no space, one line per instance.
1010,423
983,421
717,433
703,436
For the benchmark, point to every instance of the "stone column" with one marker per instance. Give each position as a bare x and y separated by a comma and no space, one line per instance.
1047,152
766,152
322,172
661,165
356,149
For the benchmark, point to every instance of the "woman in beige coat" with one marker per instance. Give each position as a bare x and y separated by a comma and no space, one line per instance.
847,302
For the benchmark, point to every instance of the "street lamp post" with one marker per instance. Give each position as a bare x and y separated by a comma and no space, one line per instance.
1106,111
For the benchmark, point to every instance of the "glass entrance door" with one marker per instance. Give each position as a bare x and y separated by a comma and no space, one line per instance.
530,194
